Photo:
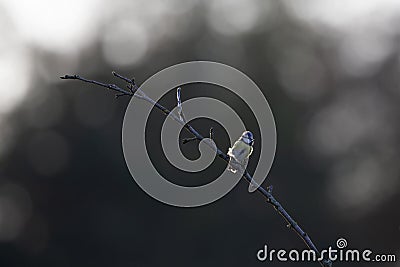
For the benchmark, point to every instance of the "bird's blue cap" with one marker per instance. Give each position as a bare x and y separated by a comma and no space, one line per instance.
249,136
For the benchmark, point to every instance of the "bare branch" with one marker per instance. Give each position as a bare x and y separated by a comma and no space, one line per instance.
109,86
267,193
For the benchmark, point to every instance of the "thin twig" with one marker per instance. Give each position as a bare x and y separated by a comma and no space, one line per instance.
131,82
267,193
179,105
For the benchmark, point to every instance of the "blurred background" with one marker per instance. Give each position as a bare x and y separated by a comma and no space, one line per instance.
329,69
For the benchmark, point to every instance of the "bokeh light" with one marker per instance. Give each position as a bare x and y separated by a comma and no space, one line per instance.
60,26
13,64
125,42
233,17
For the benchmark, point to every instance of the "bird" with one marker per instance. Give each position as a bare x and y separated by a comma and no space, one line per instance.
240,151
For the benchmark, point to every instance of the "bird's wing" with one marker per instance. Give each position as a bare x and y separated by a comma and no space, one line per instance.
232,151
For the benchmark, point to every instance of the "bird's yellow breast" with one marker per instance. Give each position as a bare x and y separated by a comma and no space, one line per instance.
240,150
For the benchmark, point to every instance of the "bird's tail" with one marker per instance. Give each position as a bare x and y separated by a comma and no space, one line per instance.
231,167
234,165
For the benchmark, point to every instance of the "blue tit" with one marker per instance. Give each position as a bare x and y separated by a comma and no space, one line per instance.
241,151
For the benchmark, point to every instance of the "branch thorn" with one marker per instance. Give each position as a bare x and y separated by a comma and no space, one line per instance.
212,133
187,140
270,189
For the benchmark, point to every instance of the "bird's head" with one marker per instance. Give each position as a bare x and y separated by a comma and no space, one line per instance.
247,137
